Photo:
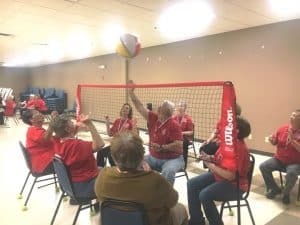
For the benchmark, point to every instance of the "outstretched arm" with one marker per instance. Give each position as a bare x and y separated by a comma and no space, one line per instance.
97,141
137,103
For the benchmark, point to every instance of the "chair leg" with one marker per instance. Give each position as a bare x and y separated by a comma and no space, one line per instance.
250,212
57,207
77,214
221,210
298,195
230,209
20,195
55,182
195,154
28,196
186,175
281,180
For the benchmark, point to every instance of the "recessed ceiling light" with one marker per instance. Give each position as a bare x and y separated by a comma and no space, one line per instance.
185,19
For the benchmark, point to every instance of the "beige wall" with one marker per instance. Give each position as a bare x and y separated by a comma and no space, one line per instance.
68,75
266,78
15,78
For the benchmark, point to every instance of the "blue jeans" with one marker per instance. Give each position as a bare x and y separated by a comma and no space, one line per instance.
272,164
202,191
167,167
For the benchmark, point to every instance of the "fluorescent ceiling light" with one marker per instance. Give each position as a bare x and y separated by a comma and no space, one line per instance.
286,7
185,19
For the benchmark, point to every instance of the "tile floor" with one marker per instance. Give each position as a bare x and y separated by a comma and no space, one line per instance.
43,201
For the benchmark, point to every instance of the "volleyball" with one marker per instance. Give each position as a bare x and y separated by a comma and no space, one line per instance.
128,46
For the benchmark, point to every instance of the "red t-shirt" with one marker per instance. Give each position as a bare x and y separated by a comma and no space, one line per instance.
41,152
163,133
10,108
185,123
30,104
286,153
121,125
40,105
79,158
240,162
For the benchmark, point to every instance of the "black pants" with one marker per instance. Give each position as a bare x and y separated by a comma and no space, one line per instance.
103,155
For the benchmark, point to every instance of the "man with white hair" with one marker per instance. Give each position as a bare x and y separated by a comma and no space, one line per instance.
165,134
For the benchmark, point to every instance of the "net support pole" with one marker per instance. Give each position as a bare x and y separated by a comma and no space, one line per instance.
126,70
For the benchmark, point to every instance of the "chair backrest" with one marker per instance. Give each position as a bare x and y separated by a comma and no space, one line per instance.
26,155
116,212
63,177
250,175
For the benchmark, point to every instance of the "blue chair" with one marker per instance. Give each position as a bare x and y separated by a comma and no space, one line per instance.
118,212
67,190
38,177
243,198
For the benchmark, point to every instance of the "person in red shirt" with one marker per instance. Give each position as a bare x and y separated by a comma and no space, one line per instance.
124,123
219,183
39,142
287,158
211,145
77,154
186,123
40,104
27,105
10,106
165,134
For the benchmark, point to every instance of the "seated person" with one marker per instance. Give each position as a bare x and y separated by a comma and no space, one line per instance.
211,145
39,142
219,184
77,154
186,124
128,181
10,106
40,104
287,158
124,123
26,105
165,134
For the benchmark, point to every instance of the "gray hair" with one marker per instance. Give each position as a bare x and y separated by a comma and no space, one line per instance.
127,150
170,106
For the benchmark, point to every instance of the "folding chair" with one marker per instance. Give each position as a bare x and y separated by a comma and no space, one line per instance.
118,212
38,177
191,144
282,186
244,197
67,190
183,172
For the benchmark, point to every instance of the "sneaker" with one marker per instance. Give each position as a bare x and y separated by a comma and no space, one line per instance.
272,193
286,199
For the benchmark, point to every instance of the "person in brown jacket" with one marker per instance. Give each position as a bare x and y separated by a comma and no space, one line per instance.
131,180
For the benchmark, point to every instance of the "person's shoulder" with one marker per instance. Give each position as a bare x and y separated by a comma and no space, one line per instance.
283,127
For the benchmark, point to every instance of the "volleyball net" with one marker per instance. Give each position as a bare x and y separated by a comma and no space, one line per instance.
207,102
